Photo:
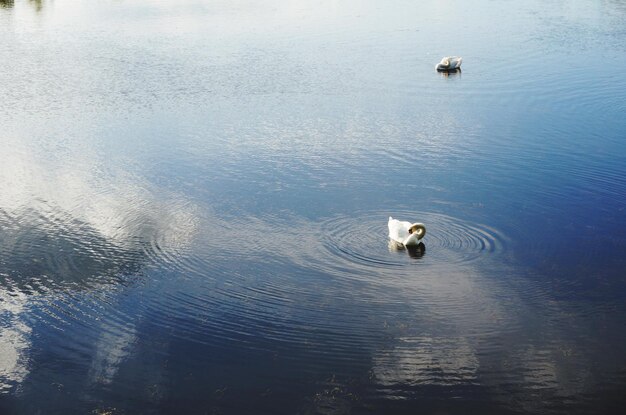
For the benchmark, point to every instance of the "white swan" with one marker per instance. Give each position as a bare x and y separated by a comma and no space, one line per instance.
406,233
449,63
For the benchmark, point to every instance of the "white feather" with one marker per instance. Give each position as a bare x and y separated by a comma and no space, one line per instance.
399,232
449,63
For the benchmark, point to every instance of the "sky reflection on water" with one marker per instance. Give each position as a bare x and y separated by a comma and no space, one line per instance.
194,202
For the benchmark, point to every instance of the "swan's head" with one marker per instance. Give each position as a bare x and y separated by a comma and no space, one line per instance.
418,230
444,65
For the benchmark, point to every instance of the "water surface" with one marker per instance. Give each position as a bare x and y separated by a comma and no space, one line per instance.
194,198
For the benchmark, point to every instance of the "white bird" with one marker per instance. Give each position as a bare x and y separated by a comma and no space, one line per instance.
449,63
406,233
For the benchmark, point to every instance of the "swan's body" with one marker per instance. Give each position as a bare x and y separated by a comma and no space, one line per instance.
449,63
406,233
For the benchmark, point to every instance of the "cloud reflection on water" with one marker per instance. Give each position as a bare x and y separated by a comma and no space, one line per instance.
68,228
113,346
415,361
65,218
14,339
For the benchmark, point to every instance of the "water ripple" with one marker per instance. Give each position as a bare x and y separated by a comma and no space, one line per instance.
361,239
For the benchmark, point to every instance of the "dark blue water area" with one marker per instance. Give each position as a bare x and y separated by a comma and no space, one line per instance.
194,201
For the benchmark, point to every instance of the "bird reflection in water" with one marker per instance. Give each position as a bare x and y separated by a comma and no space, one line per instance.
414,251
452,73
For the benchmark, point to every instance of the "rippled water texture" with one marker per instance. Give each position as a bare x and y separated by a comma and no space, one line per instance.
194,199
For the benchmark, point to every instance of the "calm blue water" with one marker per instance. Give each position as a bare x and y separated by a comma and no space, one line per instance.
194,199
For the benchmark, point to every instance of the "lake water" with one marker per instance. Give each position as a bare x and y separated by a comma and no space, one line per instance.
194,199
